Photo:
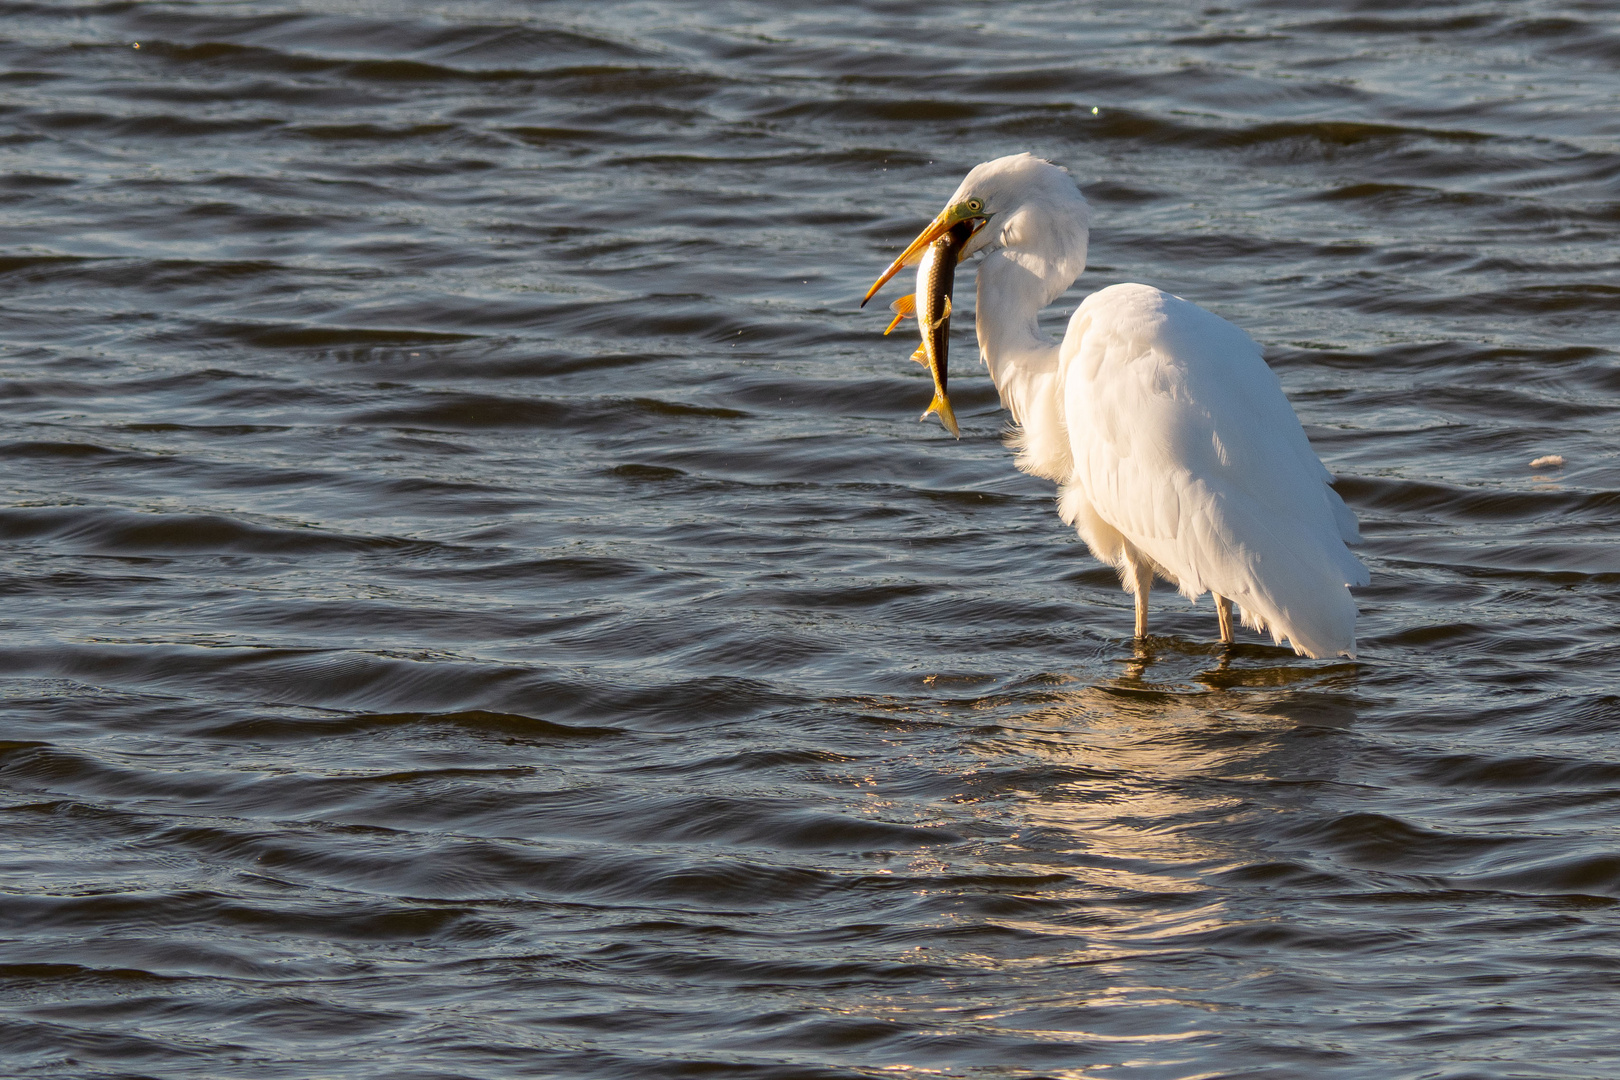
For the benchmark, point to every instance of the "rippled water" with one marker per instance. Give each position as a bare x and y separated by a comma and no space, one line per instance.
478,601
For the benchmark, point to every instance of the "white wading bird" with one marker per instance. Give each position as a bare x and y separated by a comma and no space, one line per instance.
1173,446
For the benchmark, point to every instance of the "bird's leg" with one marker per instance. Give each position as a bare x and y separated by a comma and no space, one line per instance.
1140,583
1223,612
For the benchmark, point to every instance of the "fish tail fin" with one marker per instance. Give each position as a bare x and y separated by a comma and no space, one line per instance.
947,416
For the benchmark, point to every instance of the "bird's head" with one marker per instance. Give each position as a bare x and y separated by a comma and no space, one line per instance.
1019,201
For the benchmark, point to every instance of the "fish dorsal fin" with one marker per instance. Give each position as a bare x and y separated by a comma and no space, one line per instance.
902,309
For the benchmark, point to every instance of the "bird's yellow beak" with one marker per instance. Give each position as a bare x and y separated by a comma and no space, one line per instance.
949,216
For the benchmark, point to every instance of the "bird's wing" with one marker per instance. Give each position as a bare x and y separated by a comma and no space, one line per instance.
1183,441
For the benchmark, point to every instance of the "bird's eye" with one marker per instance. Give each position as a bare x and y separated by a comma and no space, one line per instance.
975,205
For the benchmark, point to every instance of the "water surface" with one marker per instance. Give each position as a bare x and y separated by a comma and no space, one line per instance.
478,601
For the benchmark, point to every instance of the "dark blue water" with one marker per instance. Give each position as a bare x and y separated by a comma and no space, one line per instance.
478,602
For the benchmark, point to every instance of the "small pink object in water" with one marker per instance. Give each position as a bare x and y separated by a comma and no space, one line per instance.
1551,461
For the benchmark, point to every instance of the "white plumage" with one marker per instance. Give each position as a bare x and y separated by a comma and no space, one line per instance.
1173,446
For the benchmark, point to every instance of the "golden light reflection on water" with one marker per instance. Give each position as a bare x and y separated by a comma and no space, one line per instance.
1138,784
1124,795
1086,906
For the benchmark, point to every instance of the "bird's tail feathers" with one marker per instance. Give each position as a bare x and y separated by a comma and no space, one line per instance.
1290,579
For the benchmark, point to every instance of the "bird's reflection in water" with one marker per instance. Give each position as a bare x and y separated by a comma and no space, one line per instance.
1258,665
1157,777
1142,655
1125,833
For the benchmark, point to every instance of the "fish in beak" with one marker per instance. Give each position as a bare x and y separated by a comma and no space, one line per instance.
969,210
940,247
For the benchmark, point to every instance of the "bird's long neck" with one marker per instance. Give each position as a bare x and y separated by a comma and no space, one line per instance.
1014,284
1010,299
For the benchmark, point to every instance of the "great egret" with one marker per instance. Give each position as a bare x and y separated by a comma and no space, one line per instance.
1175,451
